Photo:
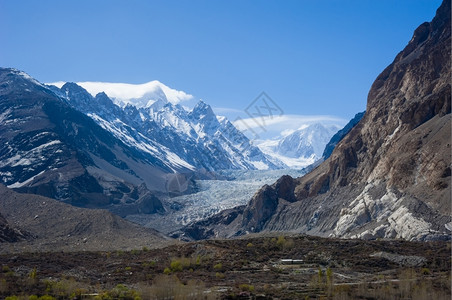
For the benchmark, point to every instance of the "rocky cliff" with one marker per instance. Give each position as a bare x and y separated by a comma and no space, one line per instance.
389,177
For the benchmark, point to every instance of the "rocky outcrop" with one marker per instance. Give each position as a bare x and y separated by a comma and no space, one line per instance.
389,177
265,203
340,135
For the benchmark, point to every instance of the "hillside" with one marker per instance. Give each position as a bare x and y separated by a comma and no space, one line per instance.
51,225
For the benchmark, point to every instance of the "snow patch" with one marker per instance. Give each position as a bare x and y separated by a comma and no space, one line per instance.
28,77
21,184
4,115
260,165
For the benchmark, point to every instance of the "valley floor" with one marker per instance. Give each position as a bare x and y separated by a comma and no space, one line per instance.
259,267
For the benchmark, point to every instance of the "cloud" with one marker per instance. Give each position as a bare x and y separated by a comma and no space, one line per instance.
126,91
225,110
286,122
272,127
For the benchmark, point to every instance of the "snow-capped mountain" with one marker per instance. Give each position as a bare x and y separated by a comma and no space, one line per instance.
49,148
302,147
138,95
185,140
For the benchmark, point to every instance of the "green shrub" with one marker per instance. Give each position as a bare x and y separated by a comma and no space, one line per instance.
280,242
198,260
47,297
6,269
33,274
283,243
246,287
329,275
426,271
320,275
119,292
218,267
176,266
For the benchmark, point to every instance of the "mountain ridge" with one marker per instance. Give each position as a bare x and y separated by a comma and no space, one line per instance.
48,148
195,139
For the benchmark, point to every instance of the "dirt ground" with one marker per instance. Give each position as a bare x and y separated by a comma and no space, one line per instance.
251,268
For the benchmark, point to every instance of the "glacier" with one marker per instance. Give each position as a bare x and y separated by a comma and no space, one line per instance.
212,196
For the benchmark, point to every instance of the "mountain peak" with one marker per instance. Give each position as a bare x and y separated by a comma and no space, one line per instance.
139,95
202,110
15,78
73,90
101,95
201,105
73,87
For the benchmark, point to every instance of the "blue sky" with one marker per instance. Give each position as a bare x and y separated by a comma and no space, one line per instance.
311,57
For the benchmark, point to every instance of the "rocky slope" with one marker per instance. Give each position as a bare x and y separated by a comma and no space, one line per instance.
50,225
389,177
8,233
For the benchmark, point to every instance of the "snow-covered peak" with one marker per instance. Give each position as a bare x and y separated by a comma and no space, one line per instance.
150,98
202,111
16,77
307,141
138,95
157,104
302,147
26,76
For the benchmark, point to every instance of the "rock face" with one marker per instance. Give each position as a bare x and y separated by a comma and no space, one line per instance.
340,135
389,177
